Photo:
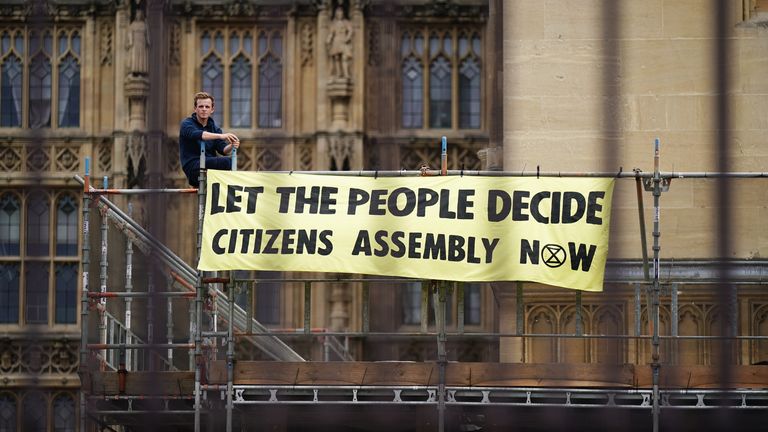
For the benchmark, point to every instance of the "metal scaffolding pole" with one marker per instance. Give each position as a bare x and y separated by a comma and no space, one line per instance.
86,251
200,289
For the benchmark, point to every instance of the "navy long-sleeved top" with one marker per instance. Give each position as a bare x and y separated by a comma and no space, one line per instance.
190,135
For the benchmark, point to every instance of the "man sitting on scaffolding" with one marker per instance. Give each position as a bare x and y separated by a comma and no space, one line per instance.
201,127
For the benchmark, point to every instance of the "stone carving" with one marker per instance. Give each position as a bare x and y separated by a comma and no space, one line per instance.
339,44
307,44
67,159
105,45
174,55
10,158
136,151
340,150
374,53
105,155
38,160
305,154
138,42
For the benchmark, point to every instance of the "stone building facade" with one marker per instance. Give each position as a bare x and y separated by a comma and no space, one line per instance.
583,86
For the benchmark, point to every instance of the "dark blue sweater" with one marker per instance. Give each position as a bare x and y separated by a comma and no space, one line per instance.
190,136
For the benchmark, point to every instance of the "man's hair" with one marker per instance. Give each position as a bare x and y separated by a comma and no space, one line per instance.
203,95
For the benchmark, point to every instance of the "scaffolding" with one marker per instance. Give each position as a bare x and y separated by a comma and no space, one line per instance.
121,351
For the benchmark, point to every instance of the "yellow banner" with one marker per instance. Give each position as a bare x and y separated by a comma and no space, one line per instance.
548,230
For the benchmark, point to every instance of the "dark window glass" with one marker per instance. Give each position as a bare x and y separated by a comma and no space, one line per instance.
36,292
469,95
440,93
7,413
10,92
240,97
9,293
69,92
66,226
66,293
413,91
270,92
34,413
412,304
40,92
213,83
10,212
472,305
64,414
268,299
37,225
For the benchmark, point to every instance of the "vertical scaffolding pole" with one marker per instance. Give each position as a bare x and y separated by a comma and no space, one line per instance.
86,262
440,295
230,351
655,358
103,282
128,288
366,308
200,288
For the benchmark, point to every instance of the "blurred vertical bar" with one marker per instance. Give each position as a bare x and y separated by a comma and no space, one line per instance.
721,58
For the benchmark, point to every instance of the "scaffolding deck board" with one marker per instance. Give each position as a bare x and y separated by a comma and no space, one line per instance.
486,374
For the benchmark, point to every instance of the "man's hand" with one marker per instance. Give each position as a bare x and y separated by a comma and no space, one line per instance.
231,138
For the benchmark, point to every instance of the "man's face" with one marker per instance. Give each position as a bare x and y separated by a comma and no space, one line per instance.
204,109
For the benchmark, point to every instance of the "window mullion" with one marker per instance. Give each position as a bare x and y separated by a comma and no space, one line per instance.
454,80
427,68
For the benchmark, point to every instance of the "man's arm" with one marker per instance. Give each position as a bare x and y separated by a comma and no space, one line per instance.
229,138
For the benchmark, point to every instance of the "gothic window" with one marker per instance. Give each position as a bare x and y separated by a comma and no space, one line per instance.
469,82
270,80
411,301
34,413
212,72
413,81
39,259
64,413
40,77
10,223
472,304
11,53
7,412
227,62
449,94
267,297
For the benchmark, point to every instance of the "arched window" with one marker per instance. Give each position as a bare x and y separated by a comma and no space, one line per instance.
69,92
245,66
240,93
66,226
37,225
10,211
35,413
38,74
64,413
453,85
270,81
213,83
10,93
7,413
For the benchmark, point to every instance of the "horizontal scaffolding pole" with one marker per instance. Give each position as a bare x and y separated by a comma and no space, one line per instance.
100,346
619,173
489,335
141,294
140,191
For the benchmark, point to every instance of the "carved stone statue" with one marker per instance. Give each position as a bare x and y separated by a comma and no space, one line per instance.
138,42
339,43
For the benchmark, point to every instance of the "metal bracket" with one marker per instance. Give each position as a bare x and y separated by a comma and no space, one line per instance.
664,184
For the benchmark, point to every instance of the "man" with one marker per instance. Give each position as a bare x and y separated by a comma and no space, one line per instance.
201,127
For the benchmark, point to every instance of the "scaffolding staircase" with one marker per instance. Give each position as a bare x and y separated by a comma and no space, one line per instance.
186,278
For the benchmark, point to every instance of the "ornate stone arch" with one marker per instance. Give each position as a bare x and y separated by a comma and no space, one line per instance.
541,319
608,320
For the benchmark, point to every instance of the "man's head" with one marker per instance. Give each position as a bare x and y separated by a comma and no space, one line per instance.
203,106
